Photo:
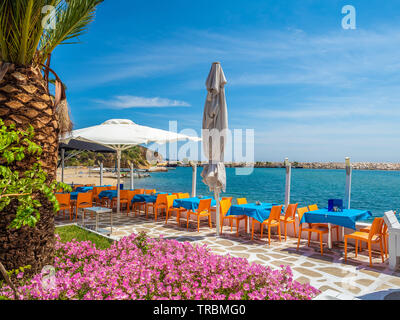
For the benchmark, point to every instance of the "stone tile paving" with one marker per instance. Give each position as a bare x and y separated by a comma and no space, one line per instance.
327,272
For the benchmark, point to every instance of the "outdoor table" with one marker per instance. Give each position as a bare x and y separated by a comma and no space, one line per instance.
83,189
110,194
97,211
191,203
259,212
146,197
346,219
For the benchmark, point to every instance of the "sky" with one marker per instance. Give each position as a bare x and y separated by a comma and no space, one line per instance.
310,89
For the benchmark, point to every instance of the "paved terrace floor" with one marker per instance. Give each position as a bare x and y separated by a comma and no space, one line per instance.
328,272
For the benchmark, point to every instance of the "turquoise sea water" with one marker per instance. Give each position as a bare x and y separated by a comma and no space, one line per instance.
376,191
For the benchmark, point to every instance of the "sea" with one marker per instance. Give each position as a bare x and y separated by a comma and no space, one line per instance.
376,191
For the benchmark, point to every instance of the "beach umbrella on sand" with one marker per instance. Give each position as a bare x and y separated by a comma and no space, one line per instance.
122,134
215,124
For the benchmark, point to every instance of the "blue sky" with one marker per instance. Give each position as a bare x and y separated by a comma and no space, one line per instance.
311,90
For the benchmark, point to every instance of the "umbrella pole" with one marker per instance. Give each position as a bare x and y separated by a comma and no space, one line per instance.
62,164
217,213
119,178
194,179
101,173
287,185
132,184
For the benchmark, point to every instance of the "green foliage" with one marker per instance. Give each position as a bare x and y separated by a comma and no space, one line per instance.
141,242
30,31
15,145
68,233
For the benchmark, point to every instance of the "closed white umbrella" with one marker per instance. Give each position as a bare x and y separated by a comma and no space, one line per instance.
122,134
215,124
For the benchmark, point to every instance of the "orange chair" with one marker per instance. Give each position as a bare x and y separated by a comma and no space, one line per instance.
124,196
178,211
224,211
375,235
290,217
272,221
385,237
214,209
137,206
96,191
150,191
202,211
314,207
161,203
111,188
241,201
319,228
84,200
139,191
77,186
64,200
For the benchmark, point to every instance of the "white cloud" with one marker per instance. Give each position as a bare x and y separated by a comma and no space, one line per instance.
127,102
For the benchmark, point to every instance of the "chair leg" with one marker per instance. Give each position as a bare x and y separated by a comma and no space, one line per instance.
321,244
187,220
198,223
279,232
337,233
381,247
269,235
294,228
262,230
385,245
370,253
237,227
298,241
252,230
345,249
309,238
209,221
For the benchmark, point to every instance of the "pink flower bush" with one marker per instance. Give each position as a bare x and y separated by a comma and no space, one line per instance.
134,268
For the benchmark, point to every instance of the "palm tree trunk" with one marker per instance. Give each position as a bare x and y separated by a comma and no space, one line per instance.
24,100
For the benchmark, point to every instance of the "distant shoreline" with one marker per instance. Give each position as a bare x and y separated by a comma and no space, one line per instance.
382,166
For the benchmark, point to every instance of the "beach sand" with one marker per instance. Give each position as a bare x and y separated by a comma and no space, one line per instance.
82,175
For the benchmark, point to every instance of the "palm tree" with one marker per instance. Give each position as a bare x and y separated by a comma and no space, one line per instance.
29,32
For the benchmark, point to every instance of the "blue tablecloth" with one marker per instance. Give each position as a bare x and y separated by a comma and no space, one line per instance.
346,219
74,195
83,189
190,203
110,194
259,212
146,197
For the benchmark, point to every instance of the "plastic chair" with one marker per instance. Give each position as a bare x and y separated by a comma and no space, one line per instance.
375,235
178,211
64,200
290,217
151,191
124,196
241,201
96,191
320,229
314,207
84,200
202,211
385,237
224,210
272,221
161,203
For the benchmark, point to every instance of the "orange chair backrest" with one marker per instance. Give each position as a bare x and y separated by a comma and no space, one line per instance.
78,186
228,198
131,194
139,191
111,188
301,212
124,194
161,199
204,205
170,200
225,205
291,211
376,228
63,199
241,201
89,185
84,198
313,207
183,196
275,213
150,191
